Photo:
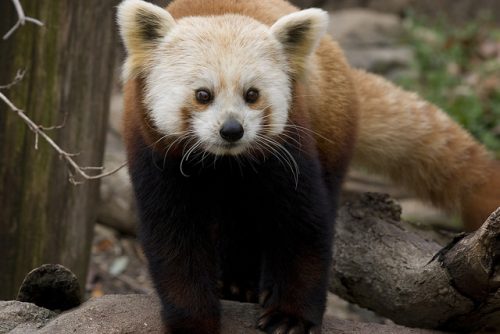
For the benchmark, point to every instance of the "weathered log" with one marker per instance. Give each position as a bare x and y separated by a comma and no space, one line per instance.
141,314
382,265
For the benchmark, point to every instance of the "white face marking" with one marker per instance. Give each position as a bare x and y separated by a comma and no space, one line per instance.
226,55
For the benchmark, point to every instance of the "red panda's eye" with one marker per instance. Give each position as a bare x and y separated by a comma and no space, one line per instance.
252,95
203,95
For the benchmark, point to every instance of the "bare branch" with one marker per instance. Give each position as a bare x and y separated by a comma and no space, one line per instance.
74,168
19,77
55,127
39,130
22,19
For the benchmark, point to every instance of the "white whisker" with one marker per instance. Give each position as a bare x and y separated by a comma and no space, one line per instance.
282,154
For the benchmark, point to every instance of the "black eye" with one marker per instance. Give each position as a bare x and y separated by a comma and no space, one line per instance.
252,95
203,95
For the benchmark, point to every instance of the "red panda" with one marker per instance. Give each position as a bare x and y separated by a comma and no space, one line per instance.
241,119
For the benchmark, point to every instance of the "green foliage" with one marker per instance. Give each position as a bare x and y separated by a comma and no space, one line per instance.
458,69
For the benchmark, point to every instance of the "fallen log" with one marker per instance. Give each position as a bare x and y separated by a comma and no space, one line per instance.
382,265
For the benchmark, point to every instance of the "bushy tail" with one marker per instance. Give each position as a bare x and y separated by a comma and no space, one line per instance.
418,146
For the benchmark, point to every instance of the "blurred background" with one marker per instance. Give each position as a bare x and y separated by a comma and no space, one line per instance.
448,51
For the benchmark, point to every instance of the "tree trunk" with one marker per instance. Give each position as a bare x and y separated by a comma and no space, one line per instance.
69,71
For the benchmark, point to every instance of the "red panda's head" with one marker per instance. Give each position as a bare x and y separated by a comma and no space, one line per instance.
223,83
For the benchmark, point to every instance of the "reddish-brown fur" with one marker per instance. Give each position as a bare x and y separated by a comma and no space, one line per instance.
350,109
330,95
420,147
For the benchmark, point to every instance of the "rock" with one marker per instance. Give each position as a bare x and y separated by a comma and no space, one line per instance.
51,286
362,27
372,41
19,317
108,315
123,314
390,62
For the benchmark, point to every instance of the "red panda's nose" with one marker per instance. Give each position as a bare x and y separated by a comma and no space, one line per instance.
231,130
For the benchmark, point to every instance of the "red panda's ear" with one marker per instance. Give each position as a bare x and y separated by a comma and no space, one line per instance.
299,33
142,26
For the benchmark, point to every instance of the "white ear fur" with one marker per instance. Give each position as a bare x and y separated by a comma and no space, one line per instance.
300,33
142,25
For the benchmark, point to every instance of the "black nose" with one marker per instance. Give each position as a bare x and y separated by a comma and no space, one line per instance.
231,130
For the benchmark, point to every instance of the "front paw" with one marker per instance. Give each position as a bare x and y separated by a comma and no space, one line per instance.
278,322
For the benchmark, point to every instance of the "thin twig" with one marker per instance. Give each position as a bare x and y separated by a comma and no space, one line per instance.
39,130
21,19
55,127
67,157
19,77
